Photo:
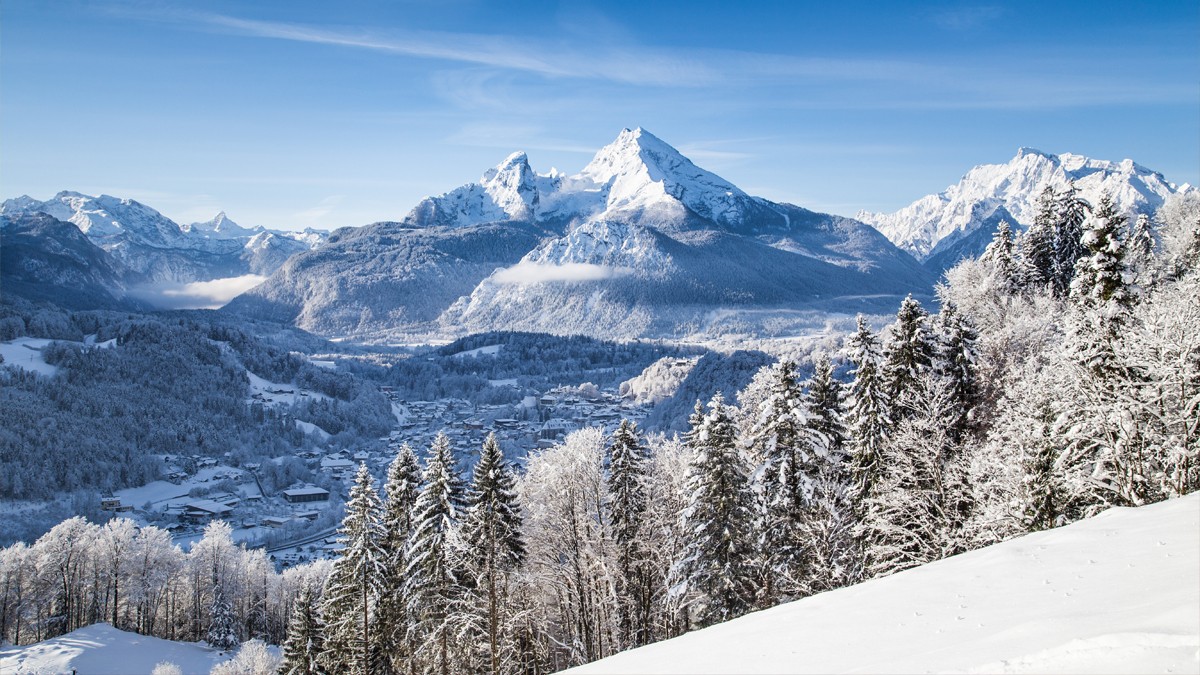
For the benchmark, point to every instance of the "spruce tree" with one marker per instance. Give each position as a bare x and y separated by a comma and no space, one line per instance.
401,490
626,479
492,542
1071,213
826,407
1099,289
716,568
222,627
956,364
783,437
827,529
352,590
433,573
1140,250
907,355
1100,273
1001,254
305,638
1037,243
868,415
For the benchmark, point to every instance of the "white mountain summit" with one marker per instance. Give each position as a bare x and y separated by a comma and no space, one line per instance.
962,217
637,178
640,242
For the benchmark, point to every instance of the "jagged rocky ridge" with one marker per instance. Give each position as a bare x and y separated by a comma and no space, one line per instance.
641,242
958,222
146,247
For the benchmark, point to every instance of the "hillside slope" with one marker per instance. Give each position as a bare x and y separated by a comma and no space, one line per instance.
1115,593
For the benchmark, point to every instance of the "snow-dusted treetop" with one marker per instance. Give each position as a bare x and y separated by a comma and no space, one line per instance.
986,189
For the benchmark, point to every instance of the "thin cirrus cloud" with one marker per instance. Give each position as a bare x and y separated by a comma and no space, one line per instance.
1003,81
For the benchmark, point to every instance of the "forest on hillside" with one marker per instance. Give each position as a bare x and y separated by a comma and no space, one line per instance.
1060,377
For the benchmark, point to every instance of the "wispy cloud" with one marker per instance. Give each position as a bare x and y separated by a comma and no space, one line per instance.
989,81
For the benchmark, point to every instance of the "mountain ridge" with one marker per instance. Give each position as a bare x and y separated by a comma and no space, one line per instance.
641,241
939,227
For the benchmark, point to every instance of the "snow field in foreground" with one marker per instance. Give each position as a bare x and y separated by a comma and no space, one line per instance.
1119,592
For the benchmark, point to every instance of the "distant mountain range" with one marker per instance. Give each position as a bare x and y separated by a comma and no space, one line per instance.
943,228
641,242
146,247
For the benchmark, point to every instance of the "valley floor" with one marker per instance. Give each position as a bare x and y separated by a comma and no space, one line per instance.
1118,593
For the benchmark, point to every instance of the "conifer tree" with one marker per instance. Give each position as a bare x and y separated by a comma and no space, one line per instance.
907,354
716,568
826,408
352,590
1037,243
868,415
1100,272
491,537
1001,254
782,436
433,573
1100,290
222,627
401,489
1140,250
626,478
956,364
1071,212
827,529
305,638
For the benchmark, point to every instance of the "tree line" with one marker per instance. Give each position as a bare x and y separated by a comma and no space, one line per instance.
1027,402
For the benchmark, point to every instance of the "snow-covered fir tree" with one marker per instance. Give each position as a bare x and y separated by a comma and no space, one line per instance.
1037,244
907,354
1100,271
626,483
1070,214
785,439
868,416
222,631
351,596
401,489
493,548
305,638
1001,253
956,363
825,404
434,570
717,569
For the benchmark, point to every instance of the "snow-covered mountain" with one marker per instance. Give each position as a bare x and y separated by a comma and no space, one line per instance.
941,228
640,242
43,258
1115,593
148,247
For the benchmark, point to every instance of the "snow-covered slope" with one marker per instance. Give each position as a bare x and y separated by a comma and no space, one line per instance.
1116,593
100,649
151,248
936,222
640,242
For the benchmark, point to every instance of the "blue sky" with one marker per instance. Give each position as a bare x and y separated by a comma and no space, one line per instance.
328,114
